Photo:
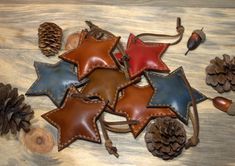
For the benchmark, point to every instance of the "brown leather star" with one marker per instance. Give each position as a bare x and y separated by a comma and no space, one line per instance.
133,105
106,84
92,54
76,119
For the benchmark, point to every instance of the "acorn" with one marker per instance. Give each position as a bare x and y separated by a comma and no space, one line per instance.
197,37
224,105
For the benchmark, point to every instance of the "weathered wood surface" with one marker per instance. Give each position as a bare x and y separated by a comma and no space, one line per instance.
18,51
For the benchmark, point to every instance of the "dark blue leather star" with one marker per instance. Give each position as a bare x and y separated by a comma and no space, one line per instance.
171,91
54,80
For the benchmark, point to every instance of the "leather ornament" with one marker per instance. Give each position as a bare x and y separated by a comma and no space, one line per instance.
172,91
133,105
54,80
92,54
106,84
76,119
143,56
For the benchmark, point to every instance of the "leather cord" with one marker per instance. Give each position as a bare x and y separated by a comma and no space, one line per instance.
179,29
108,143
194,140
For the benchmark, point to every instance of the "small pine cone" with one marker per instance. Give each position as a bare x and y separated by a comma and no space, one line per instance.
49,38
221,74
14,113
165,138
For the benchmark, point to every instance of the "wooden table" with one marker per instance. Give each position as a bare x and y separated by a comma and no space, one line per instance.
19,49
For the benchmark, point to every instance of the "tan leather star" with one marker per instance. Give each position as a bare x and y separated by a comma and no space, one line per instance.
106,84
76,119
92,54
133,105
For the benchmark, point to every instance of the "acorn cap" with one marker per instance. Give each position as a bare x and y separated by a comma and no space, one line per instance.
201,34
231,110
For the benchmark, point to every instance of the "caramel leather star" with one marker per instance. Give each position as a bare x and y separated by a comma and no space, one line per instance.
76,119
133,105
144,56
92,54
106,84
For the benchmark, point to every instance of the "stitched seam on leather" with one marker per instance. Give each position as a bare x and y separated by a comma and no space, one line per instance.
74,138
168,105
47,92
118,88
92,67
150,67
137,129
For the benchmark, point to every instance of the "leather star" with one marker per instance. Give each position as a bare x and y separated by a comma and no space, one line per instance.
106,84
76,119
172,91
144,56
92,54
133,105
54,80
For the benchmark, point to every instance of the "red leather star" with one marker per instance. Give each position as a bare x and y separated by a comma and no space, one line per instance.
133,105
144,56
92,54
76,119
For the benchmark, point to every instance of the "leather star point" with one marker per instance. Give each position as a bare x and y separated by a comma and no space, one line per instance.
144,56
106,84
133,105
76,119
172,91
92,54
54,80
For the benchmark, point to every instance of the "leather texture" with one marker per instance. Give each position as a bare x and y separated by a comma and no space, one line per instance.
143,56
133,105
76,119
92,54
54,80
171,91
106,84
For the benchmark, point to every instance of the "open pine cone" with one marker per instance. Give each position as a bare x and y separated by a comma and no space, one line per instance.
50,38
14,113
165,138
221,74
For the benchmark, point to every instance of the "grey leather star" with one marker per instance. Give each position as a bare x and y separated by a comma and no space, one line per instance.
54,80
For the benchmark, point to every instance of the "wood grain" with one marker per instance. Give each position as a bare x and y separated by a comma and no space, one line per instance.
18,51
162,3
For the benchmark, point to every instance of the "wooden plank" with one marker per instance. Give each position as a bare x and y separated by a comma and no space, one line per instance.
18,51
162,3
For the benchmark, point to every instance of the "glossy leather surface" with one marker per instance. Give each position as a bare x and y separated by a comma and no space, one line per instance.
171,91
76,119
106,83
54,80
133,105
144,56
92,54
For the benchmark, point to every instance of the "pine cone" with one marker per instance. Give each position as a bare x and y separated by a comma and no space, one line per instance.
165,138
14,113
221,74
50,38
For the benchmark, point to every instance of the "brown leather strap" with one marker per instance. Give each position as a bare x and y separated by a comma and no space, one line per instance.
108,143
179,29
194,140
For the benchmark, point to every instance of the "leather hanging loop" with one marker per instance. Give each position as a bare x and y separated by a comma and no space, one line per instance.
179,29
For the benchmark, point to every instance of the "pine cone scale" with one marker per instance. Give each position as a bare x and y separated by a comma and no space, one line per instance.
165,137
50,38
14,113
220,73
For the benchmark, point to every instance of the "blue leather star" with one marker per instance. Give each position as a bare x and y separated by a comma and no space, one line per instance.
171,91
54,80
